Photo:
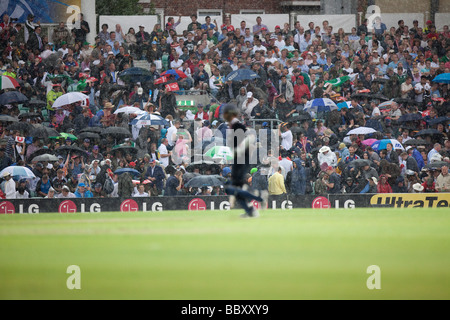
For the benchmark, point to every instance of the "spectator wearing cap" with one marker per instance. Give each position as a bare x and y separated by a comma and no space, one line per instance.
54,94
327,156
65,193
249,104
83,192
98,191
8,186
51,194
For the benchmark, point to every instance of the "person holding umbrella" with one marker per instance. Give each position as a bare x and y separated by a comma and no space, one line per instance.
56,92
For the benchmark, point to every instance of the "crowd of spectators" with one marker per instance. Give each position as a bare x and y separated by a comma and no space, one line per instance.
384,73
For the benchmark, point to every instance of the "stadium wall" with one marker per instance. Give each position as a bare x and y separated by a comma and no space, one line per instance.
221,203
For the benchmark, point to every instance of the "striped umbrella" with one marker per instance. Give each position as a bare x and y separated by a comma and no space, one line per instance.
18,172
381,144
7,82
320,105
345,104
148,119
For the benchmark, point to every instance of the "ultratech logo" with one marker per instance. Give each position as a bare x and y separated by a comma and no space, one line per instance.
413,200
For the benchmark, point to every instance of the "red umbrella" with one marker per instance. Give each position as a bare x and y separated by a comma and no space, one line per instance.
173,72
161,80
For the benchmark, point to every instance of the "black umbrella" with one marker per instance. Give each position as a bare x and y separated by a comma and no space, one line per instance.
40,152
35,103
70,149
404,100
117,132
189,175
437,165
43,132
200,165
125,149
45,158
432,122
428,132
29,115
135,75
88,135
358,163
362,95
97,130
20,126
410,117
416,142
378,96
6,118
12,97
205,181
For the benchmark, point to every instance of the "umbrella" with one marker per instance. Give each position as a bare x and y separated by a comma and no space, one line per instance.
362,95
118,132
70,149
369,142
404,100
358,163
126,149
18,172
7,82
97,130
442,78
148,119
176,73
241,74
69,98
220,152
428,132
43,132
380,80
201,165
345,104
129,110
5,118
410,117
381,144
35,103
415,142
438,120
129,170
39,153
20,126
378,96
320,105
88,135
45,158
12,97
65,136
437,165
135,74
204,181
361,130
30,115
386,105
189,175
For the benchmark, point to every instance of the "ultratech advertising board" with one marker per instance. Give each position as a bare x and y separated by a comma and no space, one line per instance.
155,204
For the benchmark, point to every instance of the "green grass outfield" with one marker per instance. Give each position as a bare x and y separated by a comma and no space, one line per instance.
297,254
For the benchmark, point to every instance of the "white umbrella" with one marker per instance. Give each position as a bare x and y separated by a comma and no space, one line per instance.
361,130
129,110
18,172
69,98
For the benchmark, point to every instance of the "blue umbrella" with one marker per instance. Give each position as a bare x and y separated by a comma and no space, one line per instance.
381,144
345,104
442,78
320,105
129,170
148,119
432,122
241,74
410,117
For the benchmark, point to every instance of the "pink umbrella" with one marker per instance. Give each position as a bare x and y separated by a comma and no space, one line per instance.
369,142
